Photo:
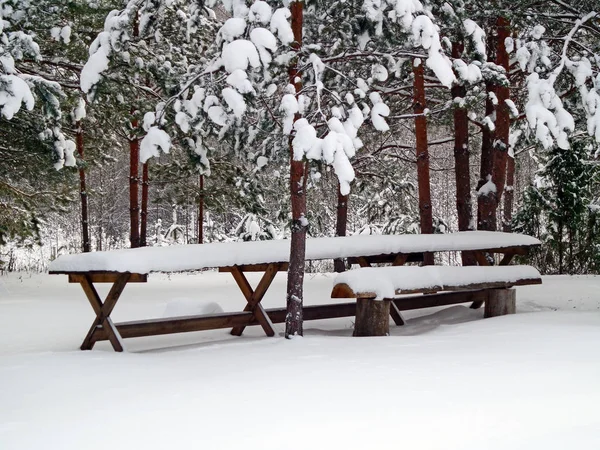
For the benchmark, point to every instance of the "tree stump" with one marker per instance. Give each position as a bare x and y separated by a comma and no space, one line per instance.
500,302
372,317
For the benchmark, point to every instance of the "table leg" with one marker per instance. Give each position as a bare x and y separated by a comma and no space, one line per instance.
103,311
482,260
396,314
506,259
254,297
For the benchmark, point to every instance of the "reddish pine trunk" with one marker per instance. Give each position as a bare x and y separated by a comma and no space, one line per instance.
495,145
85,233
201,211
509,194
134,207
486,205
144,212
425,213
294,317
341,224
134,172
502,113
461,162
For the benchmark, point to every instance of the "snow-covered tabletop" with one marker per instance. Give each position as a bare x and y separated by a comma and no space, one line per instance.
179,258
385,282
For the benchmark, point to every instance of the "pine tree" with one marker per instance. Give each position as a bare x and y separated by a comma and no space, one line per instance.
558,210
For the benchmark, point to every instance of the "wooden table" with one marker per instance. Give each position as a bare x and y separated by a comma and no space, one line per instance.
121,267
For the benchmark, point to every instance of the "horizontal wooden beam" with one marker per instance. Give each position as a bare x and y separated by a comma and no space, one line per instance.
386,258
187,324
283,266
103,277
155,327
441,299
342,290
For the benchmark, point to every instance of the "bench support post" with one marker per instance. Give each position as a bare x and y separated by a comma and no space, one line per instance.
372,317
500,302
103,322
254,297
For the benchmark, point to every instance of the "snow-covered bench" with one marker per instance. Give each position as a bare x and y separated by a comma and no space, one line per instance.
376,290
121,267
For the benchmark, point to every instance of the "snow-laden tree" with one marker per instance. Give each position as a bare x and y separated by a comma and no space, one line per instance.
34,109
558,209
136,63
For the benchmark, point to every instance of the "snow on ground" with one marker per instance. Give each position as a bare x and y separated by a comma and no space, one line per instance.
447,380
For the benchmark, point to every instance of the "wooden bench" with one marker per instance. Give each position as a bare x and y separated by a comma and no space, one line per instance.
376,290
120,267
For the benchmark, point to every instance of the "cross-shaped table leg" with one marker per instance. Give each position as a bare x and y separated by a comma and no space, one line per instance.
103,321
254,297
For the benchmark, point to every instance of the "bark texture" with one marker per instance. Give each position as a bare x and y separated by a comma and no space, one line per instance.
144,212
341,225
295,281
500,302
464,207
425,211
372,317
495,144
502,113
85,231
201,210
486,205
134,206
509,194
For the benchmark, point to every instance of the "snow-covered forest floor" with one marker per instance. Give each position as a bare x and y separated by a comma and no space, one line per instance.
447,380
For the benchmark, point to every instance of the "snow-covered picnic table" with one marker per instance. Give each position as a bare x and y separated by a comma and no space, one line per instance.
120,267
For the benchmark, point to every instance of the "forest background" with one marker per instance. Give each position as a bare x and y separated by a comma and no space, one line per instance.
155,122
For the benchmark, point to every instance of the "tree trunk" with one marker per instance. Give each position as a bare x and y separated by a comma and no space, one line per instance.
85,232
341,224
509,194
295,281
486,209
134,207
144,212
372,317
425,213
134,171
201,211
500,302
561,252
464,208
502,113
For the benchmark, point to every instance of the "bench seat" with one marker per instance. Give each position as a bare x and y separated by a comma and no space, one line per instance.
370,284
387,282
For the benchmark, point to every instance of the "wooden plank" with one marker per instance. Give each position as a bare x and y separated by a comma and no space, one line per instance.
386,258
316,312
282,266
156,327
442,299
103,277
342,290
517,250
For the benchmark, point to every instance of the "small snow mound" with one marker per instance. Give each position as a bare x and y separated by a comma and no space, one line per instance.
185,306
